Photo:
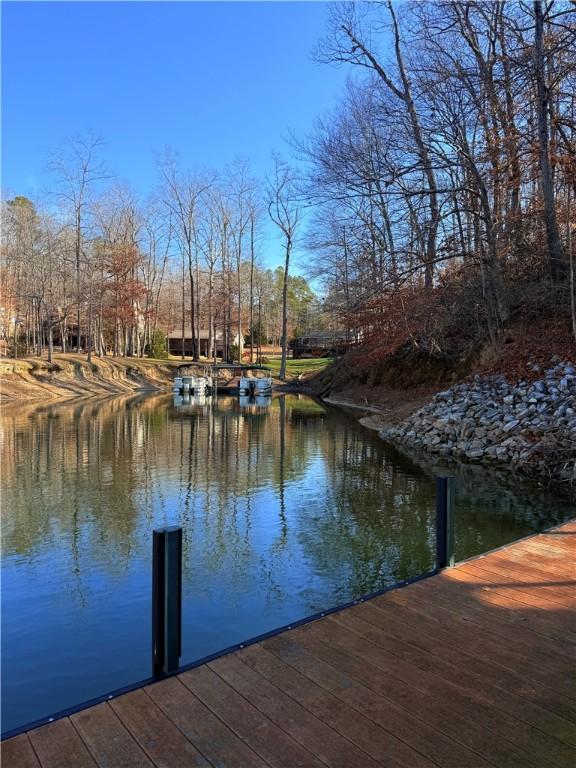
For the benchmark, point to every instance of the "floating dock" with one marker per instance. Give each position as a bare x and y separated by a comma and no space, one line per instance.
242,380
470,668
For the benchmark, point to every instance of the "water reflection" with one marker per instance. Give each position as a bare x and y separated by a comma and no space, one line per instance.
288,507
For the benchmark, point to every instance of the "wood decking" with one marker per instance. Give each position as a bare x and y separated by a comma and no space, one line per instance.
471,668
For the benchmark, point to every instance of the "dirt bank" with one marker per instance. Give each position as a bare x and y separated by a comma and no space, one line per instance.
71,376
387,407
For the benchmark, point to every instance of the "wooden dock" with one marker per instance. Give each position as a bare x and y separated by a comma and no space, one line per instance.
471,668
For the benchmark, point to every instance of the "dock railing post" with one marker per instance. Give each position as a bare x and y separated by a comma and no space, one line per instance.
444,522
166,599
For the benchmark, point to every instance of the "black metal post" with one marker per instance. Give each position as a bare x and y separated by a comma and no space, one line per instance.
166,599
445,522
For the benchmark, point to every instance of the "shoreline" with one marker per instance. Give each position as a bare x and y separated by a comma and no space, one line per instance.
71,377
418,422
489,423
533,443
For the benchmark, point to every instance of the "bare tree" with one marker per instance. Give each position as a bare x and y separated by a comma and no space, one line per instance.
285,211
183,192
158,241
349,42
77,168
555,252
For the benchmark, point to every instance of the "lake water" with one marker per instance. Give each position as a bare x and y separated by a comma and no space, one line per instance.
287,510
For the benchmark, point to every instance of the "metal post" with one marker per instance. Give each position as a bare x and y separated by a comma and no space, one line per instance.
166,599
445,522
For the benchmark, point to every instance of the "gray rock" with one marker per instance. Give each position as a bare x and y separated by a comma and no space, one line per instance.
493,420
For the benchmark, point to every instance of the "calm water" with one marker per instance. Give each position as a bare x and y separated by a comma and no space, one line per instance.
286,511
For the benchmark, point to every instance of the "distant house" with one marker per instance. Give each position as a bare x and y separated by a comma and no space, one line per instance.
175,342
321,344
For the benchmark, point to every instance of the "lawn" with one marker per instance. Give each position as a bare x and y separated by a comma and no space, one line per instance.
295,368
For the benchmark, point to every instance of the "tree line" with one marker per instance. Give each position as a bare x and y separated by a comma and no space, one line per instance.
444,181
440,191
96,269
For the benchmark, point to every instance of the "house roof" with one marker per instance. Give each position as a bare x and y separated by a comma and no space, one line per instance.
313,336
204,334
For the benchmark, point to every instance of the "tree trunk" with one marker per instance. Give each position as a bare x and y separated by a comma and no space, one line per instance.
285,312
183,312
555,254
211,343
259,342
50,340
78,249
198,326
192,306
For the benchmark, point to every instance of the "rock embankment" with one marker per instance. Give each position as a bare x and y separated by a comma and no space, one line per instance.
529,426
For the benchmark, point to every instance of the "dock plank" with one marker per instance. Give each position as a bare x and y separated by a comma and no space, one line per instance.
423,666
443,619
511,627
552,551
270,742
531,598
202,727
156,734
327,744
544,583
481,648
377,742
471,668
374,670
538,577
496,607
58,745
332,669
519,681
461,712
18,753
486,712
108,740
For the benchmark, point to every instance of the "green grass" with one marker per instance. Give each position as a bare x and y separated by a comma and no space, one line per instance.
303,367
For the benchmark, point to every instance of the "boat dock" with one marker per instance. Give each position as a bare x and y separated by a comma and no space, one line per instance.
473,667
225,378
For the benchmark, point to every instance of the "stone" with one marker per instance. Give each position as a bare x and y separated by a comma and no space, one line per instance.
490,419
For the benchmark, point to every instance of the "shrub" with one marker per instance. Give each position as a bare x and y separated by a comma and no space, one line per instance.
157,348
235,353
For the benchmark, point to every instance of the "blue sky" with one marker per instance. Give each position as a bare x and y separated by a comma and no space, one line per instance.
213,80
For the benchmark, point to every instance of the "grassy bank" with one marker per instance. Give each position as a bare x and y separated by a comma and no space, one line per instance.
299,369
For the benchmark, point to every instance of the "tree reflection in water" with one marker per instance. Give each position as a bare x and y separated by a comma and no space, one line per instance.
286,511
